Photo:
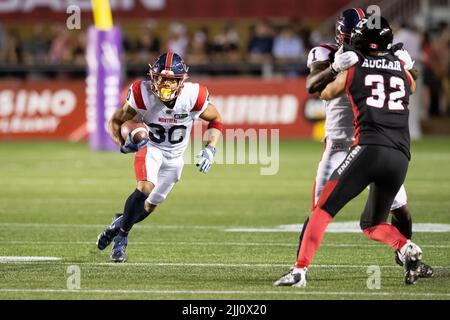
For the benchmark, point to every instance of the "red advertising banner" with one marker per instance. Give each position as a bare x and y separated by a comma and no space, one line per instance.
50,110
42,110
262,104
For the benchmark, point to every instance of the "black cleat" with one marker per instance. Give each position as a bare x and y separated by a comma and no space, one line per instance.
425,271
412,256
108,235
118,251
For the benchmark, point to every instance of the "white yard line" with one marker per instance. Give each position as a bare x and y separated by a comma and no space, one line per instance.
340,227
205,265
334,227
102,226
212,292
8,259
212,243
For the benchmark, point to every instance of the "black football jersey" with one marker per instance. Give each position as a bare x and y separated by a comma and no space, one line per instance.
378,89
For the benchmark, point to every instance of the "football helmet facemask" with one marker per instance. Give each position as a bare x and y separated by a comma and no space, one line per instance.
167,76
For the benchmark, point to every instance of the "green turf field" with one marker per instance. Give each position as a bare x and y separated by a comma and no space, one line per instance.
56,197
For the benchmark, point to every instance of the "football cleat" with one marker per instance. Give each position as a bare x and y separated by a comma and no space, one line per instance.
411,255
118,250
296,277
107,236
425,270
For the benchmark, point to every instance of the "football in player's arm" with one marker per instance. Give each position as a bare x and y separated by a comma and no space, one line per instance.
211,115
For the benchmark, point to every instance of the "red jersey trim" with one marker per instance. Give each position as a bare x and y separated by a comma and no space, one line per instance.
348,83
137,94
201,98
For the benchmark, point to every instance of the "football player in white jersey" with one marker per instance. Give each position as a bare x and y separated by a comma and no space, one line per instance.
168,106
325,62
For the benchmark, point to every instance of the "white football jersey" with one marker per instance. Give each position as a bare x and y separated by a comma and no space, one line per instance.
338,112
169,128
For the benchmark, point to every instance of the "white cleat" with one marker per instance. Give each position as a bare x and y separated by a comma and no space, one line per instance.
301,274
296,277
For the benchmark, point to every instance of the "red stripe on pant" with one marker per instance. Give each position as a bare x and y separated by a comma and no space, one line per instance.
386,233
140,169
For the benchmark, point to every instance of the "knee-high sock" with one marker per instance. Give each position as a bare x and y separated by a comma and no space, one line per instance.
386,233
313,236
134,210
401,219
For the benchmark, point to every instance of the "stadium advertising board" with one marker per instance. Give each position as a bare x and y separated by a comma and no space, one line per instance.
261,104
43,110
48,110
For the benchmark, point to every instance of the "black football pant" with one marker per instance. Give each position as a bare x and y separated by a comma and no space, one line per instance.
383,168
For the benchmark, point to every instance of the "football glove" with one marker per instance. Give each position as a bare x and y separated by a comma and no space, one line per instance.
206,157
403,55
129,146
343,60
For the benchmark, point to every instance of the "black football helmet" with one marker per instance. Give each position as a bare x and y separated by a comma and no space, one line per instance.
367,36
346,22
168,67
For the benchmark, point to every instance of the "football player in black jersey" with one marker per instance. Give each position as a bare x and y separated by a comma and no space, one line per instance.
378,87
325,61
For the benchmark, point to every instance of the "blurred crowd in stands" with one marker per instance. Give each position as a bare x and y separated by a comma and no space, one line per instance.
260,43
264,43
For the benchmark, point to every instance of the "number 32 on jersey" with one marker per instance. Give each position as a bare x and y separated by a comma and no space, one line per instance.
378,98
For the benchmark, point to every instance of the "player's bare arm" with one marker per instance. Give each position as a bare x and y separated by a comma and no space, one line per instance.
118,118
412,86
414,72
336,88
215,124
319,76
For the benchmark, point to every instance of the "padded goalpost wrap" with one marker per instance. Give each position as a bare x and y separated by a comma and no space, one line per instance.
104,73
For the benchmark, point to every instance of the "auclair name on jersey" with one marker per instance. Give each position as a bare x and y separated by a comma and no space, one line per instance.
382,64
